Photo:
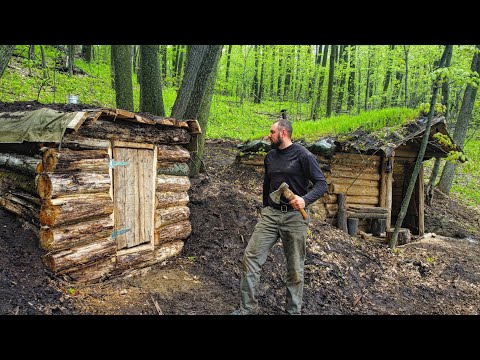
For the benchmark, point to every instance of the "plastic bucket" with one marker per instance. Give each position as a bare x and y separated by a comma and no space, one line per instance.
72,99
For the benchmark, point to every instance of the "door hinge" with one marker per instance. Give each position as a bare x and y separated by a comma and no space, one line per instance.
116,233
114,163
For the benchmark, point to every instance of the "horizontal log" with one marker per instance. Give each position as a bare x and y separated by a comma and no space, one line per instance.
172,183
354,190
76,208
59,238
134,257
166,199
357,157
64,261
99,270
55,185
369,209
66,160
11,180
122,130
348,172
21,207
365,162
362,200
172,168
176,231
34,199
172,153
75,142
355,182
171,215
17,162
366,215
167,250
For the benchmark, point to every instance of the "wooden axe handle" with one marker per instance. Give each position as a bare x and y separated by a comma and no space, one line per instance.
289,195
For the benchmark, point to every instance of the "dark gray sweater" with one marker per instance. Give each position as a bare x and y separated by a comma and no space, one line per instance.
296,166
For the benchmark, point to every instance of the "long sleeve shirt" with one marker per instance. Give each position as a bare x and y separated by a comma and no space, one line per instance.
299,168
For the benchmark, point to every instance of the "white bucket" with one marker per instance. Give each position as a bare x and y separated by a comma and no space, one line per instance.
72,99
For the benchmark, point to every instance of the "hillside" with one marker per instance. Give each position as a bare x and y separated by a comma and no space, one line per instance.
344,275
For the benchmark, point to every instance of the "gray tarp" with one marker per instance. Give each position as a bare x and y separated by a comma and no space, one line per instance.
42,125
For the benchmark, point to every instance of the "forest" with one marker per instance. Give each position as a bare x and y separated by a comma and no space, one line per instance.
204,213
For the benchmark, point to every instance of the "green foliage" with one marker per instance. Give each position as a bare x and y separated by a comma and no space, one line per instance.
424,108
452,155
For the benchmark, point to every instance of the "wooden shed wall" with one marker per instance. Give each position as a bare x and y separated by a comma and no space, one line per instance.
66,195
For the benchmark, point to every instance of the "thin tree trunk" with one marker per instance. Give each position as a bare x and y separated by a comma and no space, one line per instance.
151,99
351,80
405,50
446,88
461,127
255,75
122,55
388,75
333,54
229,55
421,153
71,59
431,182
6,52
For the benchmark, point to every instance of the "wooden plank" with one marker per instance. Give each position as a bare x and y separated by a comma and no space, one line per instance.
132,145
78,120
150,198
124,114
388,193
354,190
144,120
358,157
120,197
421,202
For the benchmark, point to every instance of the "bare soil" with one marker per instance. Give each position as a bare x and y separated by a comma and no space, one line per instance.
343,274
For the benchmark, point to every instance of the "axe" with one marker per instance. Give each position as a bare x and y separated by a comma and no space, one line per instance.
289,195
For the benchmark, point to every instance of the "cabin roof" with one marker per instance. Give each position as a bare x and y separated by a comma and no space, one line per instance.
48,125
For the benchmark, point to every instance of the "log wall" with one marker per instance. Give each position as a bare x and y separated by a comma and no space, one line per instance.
66,193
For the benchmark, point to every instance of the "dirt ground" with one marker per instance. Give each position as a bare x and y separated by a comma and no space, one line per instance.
343,274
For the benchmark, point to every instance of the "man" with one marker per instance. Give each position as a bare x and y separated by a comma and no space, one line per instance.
295,165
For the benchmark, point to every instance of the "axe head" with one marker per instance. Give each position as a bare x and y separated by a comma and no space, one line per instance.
275,196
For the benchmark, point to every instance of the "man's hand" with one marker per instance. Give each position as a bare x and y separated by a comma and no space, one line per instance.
297,202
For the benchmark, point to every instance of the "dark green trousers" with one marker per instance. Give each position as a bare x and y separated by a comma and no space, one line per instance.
291,228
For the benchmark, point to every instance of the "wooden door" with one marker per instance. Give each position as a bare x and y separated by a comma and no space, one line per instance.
134,176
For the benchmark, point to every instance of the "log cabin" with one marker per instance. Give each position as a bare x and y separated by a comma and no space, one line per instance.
105,190
368,175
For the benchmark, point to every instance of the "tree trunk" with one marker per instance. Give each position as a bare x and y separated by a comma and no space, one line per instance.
341,88
405,50
87,53
71,59
151,99
6,52
330,81
351,80
342,213
461,127
255,76
431,182
388,75
446,88
421,153
227,72
316,101
122,60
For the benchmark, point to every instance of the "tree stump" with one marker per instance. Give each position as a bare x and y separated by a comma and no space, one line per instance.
352,225
378,226
404,236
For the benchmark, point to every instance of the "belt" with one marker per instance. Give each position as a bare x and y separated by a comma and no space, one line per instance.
283,208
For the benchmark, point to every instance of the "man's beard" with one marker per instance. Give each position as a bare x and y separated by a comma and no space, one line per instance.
276,144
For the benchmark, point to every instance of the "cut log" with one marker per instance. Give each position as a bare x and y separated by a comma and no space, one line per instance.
173,168
122,130
172,153
362,200
75,142
168,250
171,215
75,258
23,163
66,160
367,209
366,215
172,183
355,190
352,225
11,180
378,226
176,231
194,127
354,182
356,173
134,257
21,207
73,209
55,185
342,213
166,199
64,237
404,236
94,272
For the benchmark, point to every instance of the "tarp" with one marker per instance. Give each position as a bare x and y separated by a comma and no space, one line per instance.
42,125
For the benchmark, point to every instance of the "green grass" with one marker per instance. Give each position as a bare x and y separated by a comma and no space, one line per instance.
466,184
